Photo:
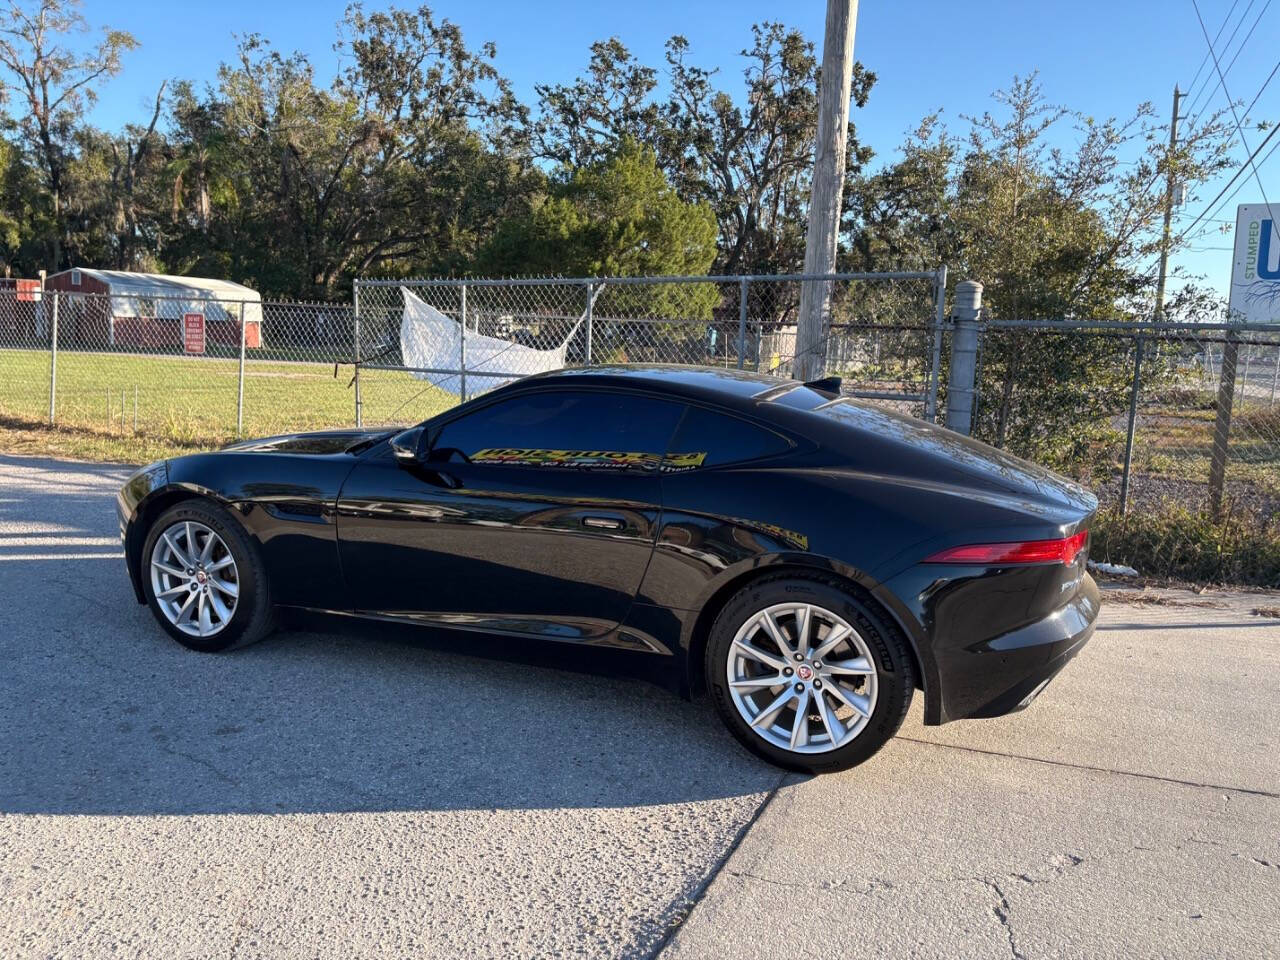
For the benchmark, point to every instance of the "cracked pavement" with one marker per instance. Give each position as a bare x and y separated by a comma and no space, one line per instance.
326,795
1132,811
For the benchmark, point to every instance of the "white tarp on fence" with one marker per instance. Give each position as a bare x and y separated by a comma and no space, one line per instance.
430,340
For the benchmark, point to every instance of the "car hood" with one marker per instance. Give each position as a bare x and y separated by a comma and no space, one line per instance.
320,442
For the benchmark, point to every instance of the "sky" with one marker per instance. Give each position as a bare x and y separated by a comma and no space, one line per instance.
1101,58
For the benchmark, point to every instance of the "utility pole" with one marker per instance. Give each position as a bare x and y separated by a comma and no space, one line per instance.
1170,183
828,183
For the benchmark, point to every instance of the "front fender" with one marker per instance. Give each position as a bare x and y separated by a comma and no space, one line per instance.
143,497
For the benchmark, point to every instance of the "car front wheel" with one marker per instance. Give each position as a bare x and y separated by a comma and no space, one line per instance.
204,578
806,675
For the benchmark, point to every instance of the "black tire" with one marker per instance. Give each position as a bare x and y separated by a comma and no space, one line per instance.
251,619
895,678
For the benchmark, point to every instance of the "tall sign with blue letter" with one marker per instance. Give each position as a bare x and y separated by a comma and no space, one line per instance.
1255,269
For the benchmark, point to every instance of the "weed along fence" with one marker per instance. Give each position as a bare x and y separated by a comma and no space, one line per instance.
1175,426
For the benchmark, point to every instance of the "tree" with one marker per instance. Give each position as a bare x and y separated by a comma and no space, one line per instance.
750,162
55,85
378,168
1054,233
615,217
10,215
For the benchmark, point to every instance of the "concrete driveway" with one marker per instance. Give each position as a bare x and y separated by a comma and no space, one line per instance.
326,795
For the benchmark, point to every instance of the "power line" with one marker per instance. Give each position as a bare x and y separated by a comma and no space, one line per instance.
1265,84
1245,182
1239,126
1183,216
1209,207
1213,206
1209,76
1240,49
1245,41
1223,26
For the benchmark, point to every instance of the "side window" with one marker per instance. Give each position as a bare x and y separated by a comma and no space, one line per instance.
707,439
563,429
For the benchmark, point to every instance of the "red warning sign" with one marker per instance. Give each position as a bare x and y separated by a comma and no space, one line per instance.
193,332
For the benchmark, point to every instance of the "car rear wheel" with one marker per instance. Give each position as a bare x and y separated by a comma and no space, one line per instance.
806,675
204,578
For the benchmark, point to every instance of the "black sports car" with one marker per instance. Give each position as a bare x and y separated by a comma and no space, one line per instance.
806,559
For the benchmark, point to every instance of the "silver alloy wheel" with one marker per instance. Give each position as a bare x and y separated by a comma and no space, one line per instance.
802,677
194,578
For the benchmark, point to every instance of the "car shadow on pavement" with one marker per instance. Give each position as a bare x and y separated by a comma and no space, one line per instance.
102,713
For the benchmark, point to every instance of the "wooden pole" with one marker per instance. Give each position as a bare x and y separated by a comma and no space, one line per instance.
828,181
1170,183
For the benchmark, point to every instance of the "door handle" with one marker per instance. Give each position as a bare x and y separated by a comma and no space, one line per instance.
602,523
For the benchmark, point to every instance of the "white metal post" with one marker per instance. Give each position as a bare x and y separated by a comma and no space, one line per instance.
743,284
964,356
939,318
240,388
462,354
53,361
590,303
355,351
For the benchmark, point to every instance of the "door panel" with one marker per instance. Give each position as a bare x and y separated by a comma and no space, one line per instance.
503,548
535,514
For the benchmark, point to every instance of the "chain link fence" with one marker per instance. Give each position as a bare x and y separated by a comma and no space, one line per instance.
194,372
1175,426
459,338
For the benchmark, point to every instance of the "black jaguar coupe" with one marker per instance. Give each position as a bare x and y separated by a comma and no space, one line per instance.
807,560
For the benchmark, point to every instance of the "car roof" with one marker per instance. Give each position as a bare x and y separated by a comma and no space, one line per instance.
717,385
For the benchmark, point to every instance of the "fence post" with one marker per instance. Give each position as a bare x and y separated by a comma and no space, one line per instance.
1133,422
462,354
53,360
1244,380
355,349
939,318
743,284
964,353
590,304
1222,423
240,388
1275,378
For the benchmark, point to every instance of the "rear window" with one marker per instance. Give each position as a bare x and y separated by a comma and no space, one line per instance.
706,438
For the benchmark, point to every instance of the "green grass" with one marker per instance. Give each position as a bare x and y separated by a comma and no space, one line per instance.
1177,543
187,403
1176,444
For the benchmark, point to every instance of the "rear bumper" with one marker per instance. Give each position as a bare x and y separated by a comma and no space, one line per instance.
1004,674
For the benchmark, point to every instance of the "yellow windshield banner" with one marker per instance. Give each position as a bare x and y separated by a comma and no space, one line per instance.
597,459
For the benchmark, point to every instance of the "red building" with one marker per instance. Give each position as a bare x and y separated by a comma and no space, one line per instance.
114,308
19,310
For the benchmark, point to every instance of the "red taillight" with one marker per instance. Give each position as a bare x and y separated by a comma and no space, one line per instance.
1062,551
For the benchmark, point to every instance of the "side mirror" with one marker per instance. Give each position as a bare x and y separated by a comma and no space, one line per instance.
406,445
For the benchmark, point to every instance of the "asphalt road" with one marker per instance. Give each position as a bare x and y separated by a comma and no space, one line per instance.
325,795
